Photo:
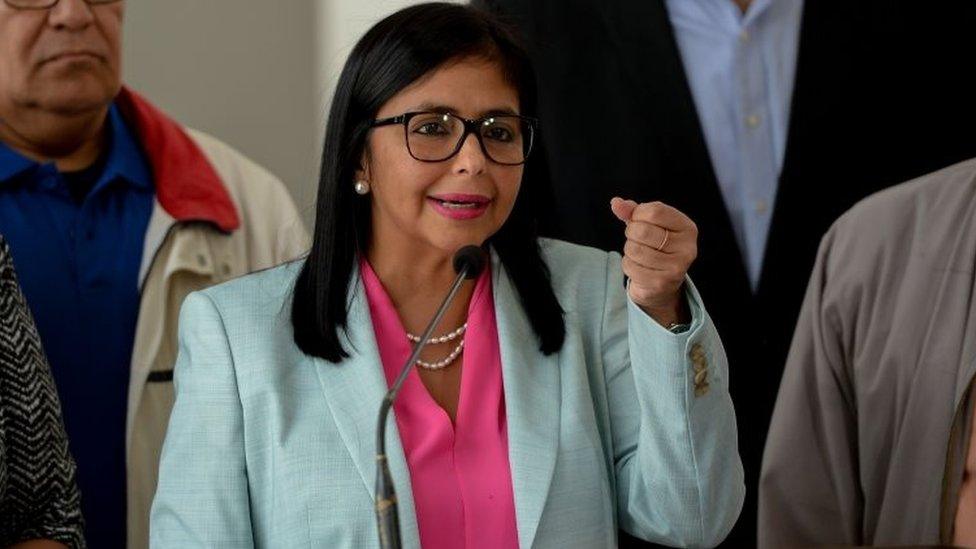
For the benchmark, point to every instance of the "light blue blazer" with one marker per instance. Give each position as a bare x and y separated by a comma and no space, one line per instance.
268,447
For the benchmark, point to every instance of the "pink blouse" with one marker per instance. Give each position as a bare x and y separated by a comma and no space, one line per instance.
462,484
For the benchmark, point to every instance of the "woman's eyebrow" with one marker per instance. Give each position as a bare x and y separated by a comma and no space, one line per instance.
502,111
437,107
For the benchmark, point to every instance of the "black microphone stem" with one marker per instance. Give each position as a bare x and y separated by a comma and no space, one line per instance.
386,501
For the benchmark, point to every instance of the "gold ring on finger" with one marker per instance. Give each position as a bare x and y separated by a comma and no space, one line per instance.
664,241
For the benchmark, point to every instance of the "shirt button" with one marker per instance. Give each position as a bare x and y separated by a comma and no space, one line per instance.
761,207
202,260
744,37
752,120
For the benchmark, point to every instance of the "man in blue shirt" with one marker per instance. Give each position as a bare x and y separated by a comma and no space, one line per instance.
75,198
89,177
78,242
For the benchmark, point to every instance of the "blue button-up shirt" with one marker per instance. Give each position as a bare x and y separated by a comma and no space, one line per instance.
78,264
741,69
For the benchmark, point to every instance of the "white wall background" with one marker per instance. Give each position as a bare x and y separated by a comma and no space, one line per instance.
340,24
258,74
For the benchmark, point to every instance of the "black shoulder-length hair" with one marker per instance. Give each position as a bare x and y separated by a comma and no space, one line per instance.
395,53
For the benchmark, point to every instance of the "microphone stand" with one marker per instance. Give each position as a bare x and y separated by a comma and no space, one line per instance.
468,262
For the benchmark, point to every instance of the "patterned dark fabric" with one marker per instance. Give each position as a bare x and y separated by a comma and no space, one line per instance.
39,498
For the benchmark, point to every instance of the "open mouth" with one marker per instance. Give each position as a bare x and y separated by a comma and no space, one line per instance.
460,206
459,201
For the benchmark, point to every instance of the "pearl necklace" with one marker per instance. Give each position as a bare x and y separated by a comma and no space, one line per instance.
441,364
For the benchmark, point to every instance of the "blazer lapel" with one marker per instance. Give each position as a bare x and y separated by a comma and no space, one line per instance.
532,402
353,390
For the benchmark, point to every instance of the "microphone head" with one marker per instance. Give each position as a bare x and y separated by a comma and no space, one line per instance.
470,258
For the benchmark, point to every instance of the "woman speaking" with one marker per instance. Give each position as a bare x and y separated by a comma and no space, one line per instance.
552,404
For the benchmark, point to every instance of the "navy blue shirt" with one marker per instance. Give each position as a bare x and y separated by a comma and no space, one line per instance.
76,241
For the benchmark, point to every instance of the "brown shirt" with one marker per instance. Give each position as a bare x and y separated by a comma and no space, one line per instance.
965,531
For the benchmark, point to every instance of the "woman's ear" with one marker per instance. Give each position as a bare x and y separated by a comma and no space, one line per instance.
362,172
361,177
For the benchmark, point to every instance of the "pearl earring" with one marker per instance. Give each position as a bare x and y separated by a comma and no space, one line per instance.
361,187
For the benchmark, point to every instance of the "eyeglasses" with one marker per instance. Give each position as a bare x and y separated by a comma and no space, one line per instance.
45,4
436,136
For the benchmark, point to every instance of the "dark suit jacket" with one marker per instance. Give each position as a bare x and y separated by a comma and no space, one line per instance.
881,96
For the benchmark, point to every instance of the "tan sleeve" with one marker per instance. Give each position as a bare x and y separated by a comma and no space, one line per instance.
808,491
293,239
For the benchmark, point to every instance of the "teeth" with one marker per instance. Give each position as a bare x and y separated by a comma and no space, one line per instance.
458,205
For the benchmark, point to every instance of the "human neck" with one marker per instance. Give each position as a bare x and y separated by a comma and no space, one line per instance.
406,271
417,281
743,4
73,142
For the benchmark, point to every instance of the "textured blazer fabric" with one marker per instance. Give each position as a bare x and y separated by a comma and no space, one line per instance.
627,425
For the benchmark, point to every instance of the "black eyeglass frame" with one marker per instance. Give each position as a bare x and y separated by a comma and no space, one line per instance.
471,126
51,3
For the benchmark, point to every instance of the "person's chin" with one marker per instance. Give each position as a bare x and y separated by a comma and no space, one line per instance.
452,240
77,94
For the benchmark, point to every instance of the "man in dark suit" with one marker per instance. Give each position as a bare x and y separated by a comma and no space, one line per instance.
763,121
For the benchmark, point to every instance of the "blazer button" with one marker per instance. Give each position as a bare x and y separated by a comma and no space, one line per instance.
699,363
701,377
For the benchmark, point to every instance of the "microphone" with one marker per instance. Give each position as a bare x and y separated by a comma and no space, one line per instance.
468,262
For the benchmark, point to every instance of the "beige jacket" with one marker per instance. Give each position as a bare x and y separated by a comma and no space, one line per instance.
238,220
868,441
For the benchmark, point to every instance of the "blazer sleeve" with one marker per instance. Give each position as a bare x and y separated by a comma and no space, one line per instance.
808,491
202,499
679,478
39,496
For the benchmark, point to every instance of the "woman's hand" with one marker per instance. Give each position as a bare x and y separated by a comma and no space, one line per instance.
661,245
